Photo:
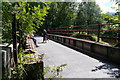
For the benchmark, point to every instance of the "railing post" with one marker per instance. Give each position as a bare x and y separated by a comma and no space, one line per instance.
98,36
79,32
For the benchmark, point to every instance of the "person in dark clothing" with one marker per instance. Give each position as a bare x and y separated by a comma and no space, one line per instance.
44,35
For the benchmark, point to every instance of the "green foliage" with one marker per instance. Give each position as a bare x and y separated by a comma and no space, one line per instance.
30,15
5,76
20,71
63,14
60,14
111,18
110,41
55,70
88,13
100,40
17,73
74,34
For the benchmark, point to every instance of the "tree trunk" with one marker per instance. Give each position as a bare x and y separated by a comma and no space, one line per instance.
14,38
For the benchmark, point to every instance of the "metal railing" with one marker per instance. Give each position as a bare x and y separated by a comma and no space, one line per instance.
98,30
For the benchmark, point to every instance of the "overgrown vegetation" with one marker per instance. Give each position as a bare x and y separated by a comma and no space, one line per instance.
54,71
29,17
19,71
23,70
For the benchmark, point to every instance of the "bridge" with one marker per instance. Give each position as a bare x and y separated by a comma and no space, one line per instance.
79,63
84,58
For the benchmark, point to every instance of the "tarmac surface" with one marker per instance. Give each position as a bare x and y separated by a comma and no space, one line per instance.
78,65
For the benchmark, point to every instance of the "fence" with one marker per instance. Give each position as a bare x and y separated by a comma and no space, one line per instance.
7,59
110,31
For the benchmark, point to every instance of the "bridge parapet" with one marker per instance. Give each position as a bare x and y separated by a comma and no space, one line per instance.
90,47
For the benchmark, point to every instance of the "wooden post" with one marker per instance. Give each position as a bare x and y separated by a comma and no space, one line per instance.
14,38
98,36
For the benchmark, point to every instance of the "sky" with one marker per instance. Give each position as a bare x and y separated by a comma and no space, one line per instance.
106,5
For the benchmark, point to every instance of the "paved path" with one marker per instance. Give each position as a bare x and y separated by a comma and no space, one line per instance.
78,65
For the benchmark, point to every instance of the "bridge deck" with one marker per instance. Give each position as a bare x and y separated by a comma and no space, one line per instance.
79,65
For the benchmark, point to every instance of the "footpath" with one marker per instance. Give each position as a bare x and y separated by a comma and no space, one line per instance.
79,65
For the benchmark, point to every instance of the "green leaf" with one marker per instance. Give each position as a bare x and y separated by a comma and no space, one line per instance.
11,69
14,72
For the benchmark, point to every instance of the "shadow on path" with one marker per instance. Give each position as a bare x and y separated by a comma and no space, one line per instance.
42,42
113,71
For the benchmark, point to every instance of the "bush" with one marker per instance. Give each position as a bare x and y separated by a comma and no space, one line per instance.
76,34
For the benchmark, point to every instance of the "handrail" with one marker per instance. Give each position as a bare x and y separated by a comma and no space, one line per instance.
85,30
87,25
68,31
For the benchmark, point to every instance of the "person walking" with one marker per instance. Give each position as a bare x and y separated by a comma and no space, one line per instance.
44,35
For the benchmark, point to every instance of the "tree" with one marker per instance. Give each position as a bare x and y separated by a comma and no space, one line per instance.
81,18
22,16
30,15
60,14
88,13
